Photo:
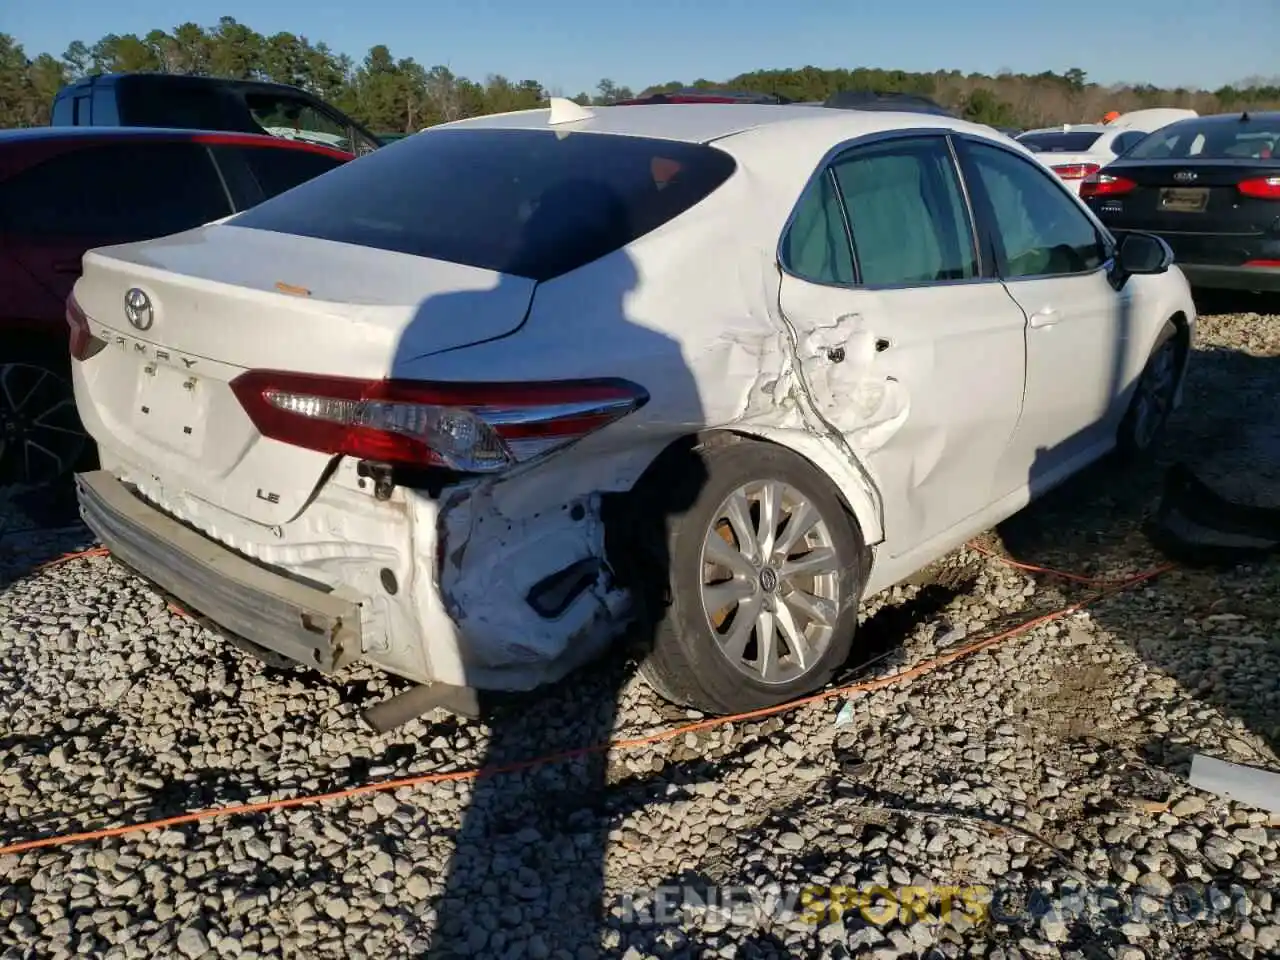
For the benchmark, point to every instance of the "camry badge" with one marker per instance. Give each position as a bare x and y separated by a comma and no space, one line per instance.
137,309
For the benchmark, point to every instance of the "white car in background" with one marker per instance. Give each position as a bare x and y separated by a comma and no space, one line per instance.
468,407
1077,151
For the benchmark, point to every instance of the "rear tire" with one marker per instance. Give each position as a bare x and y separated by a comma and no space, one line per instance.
42,441
760,613
1152,403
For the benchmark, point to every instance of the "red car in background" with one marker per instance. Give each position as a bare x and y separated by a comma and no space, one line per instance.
65,190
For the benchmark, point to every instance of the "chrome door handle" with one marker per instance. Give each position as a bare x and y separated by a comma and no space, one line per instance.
1044,318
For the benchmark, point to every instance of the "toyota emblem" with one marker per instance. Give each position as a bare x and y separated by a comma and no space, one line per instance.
1185,176
137,309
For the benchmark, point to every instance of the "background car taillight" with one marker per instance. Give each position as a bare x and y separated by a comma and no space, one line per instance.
1076,171
468,427
1261,188
83,343
1105,185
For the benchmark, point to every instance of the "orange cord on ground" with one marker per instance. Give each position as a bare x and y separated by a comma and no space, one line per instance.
95,552
1107,587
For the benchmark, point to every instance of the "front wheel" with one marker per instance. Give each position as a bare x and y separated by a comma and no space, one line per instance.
1145,420
766,574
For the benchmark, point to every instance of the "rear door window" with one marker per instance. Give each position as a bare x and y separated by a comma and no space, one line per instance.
134,190
279,169
816,247
907,213
532,203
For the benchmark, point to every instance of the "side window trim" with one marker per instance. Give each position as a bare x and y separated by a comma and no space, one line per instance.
986,271
970,174
238,177
222,177
978,226
830,174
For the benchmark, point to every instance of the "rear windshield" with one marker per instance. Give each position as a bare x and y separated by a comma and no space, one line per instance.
533,203
1059,142
1196,139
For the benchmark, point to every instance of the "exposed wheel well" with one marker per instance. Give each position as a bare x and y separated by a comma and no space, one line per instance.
683,446
658,475
1183,335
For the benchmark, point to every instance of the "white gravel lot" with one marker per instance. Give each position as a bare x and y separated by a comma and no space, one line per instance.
1058,757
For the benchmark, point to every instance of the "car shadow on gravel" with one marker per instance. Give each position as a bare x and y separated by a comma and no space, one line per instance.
531,846
1211,629
36,527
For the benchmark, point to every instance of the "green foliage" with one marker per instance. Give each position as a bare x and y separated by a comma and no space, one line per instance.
386,93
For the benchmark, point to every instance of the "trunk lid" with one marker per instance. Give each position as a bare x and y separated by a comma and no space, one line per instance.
227,299
1196,207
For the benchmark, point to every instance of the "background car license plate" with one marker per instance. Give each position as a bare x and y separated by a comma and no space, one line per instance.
1184,199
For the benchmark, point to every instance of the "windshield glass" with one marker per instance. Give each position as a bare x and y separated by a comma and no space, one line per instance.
1214,140
1066,142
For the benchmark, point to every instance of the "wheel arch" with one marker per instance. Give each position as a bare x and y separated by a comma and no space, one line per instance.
861,503
1182,334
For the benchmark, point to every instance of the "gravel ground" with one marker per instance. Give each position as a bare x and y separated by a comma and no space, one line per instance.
1055,759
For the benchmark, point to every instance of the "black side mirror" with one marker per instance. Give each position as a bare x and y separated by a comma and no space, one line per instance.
1142,253
1138,254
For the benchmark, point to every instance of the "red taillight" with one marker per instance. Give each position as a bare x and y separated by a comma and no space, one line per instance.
1261,188
1076,171
83,343
1101,184
1266,264
469,427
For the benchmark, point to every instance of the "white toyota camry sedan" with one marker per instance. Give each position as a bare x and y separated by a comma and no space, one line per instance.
473,405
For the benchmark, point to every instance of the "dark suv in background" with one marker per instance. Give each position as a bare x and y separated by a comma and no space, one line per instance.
66,190
208,103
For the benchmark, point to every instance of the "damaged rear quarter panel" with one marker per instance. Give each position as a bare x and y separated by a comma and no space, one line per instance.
698,334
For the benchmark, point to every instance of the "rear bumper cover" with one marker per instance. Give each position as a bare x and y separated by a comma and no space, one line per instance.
304,623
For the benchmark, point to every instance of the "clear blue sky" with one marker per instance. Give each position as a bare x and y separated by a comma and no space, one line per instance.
571,44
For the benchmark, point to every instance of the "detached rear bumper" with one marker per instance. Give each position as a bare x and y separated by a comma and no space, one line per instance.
304,623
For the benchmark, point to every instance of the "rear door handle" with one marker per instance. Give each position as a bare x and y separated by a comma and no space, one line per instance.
1044,318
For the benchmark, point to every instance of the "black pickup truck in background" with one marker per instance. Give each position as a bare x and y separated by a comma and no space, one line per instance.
208,103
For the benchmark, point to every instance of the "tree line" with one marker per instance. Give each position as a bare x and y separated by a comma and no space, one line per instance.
401,95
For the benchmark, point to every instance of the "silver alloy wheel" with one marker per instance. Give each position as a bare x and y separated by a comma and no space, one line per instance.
770,581
40,434
1154,399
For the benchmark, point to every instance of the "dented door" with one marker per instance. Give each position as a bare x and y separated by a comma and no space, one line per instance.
910,349
926,387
